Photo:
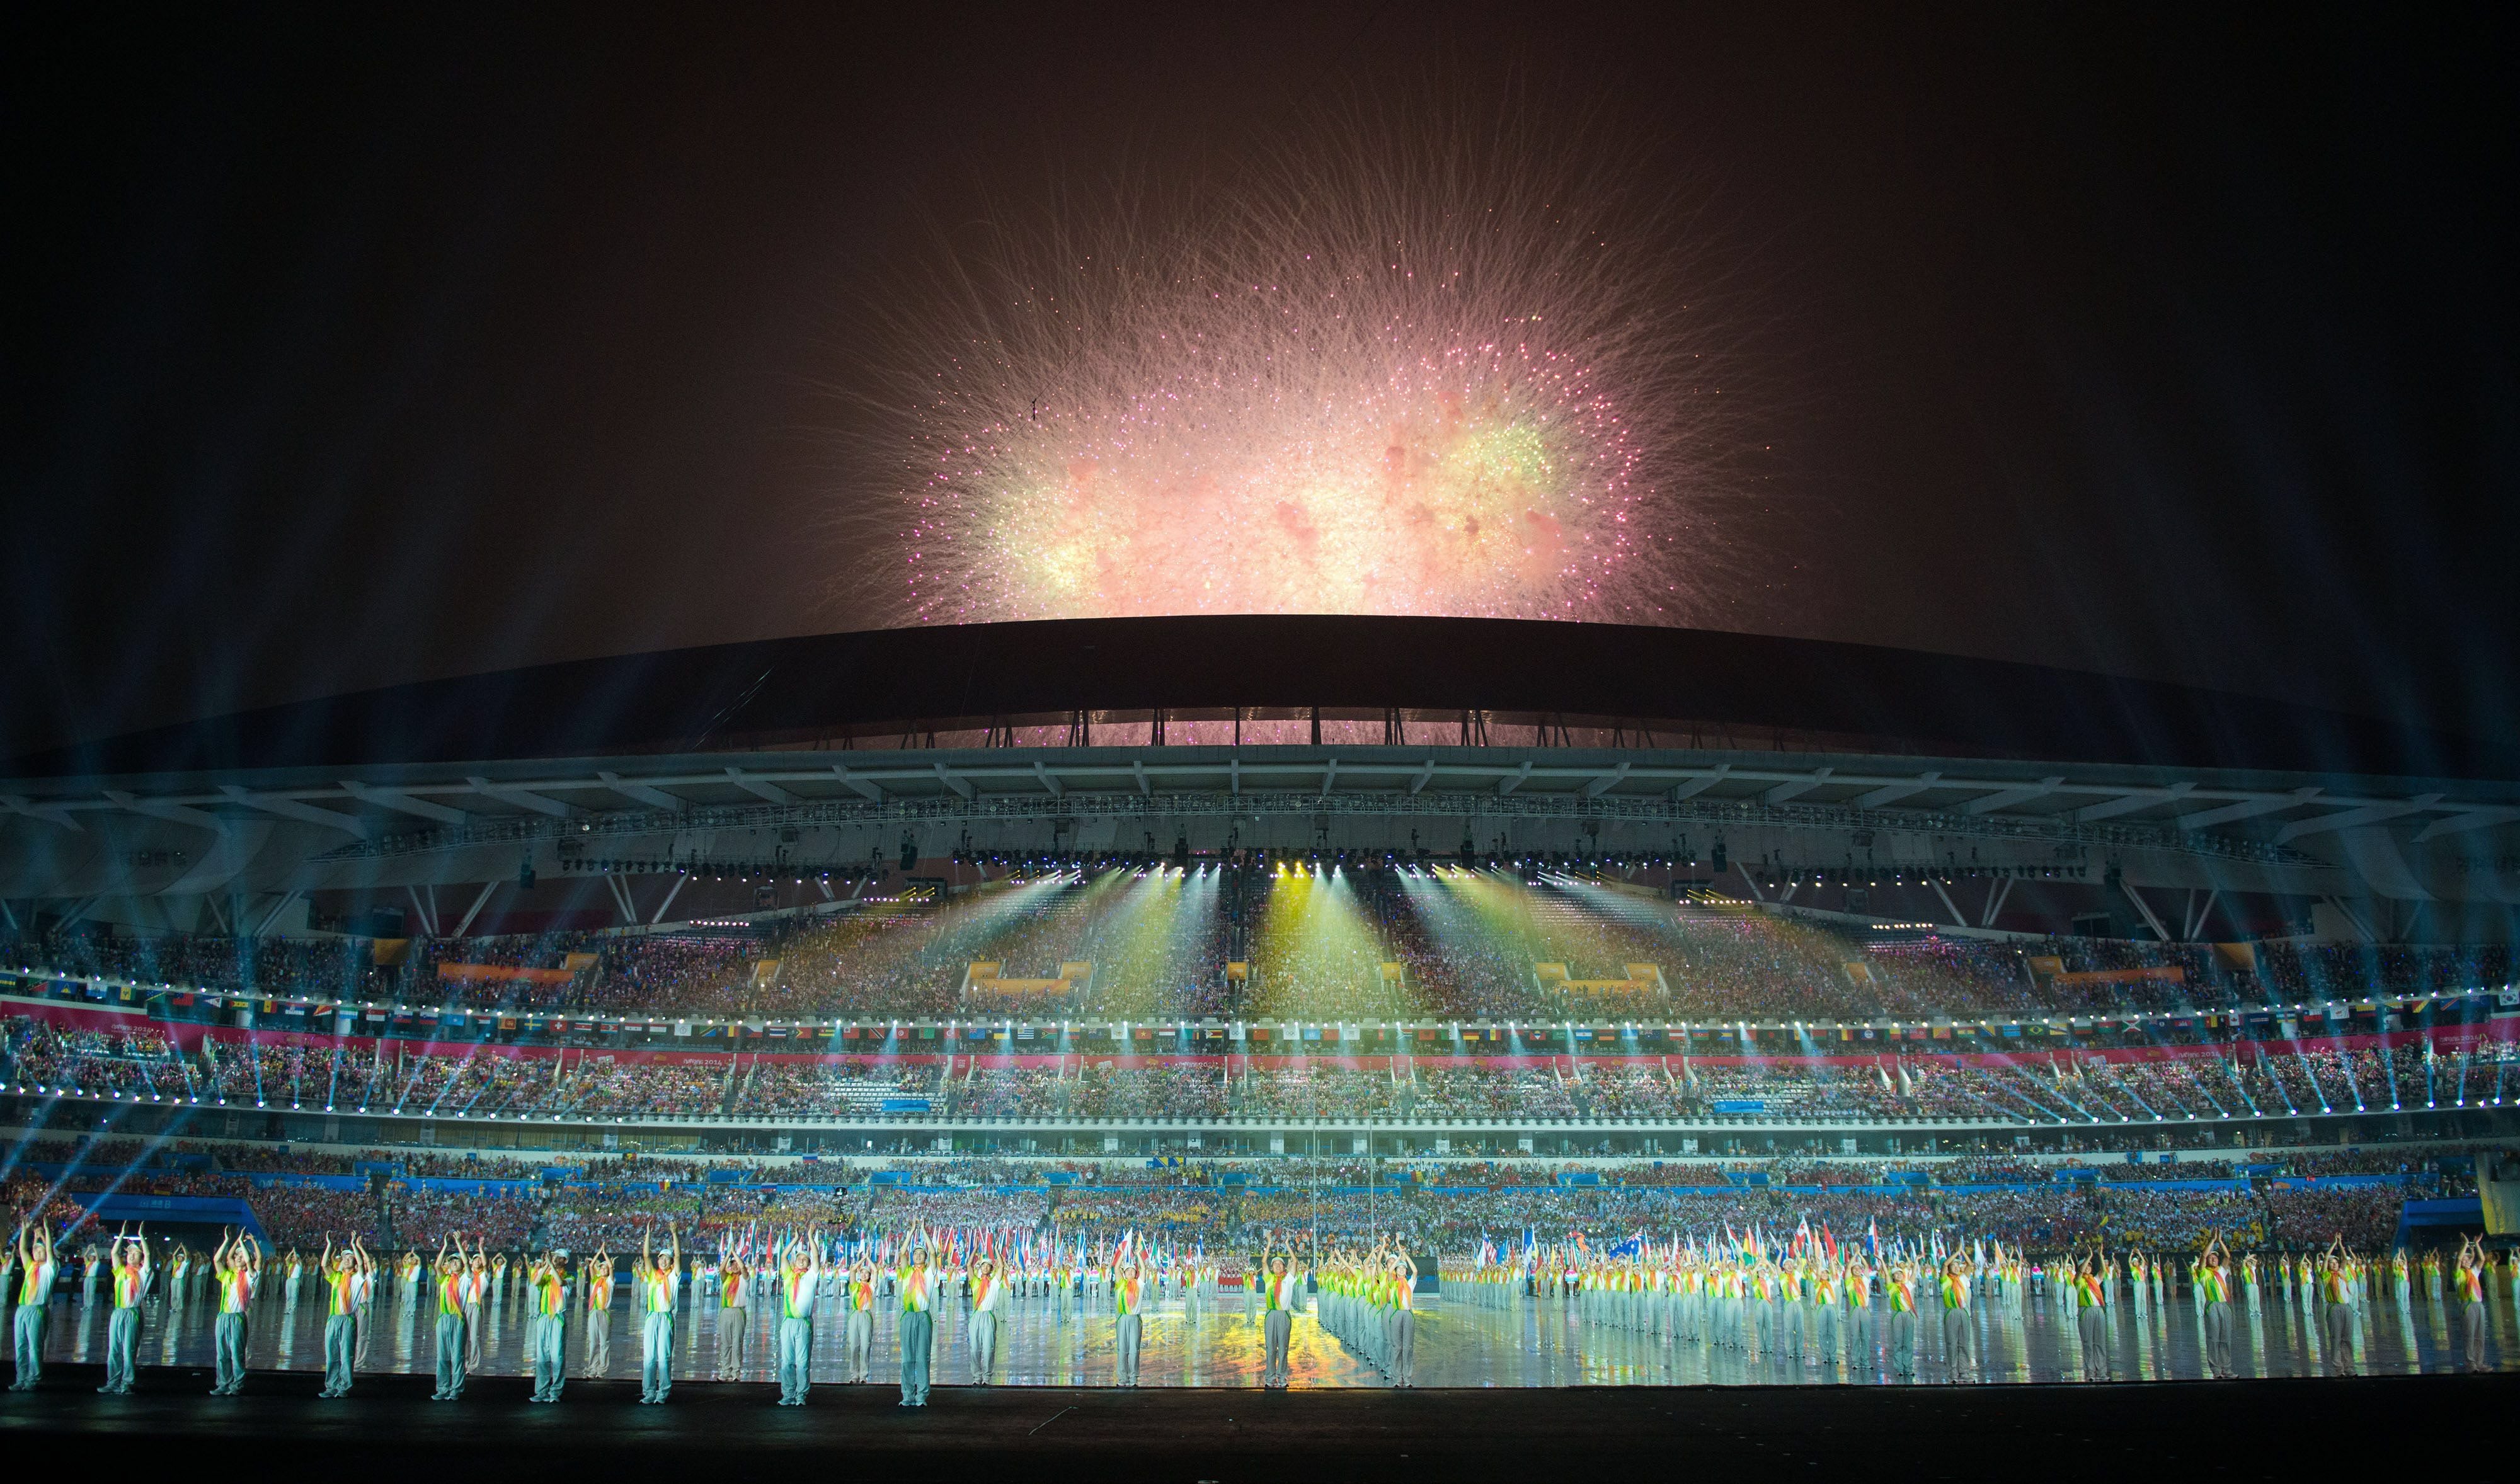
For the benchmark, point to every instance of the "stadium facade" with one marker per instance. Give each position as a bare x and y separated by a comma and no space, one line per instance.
753,790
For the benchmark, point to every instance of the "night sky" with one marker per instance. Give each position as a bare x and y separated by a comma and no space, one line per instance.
350,350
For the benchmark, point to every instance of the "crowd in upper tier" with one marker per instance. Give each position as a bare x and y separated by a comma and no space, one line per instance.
1366,945
398,1198
140,1062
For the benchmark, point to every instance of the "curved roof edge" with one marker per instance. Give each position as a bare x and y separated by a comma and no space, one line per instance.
730,695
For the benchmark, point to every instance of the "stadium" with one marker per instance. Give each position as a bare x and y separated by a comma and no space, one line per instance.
1340,741
1520,943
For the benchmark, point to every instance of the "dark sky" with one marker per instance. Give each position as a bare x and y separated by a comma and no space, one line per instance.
346,350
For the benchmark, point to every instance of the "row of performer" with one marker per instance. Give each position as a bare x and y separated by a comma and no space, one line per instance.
1800,1304
1365,1299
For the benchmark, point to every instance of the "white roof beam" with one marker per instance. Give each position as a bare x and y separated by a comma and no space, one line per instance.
1049,781
2150,916
1598,786
641,793
1330,777
760,788
2007,798
177,813
962,786
1700,784
2129,803
1426,775
524,798
2347,819
290,808
1796,787
2461,824
396,800
1889,793
1513,781
864,787
50,814
2249,807
475,911
1137,771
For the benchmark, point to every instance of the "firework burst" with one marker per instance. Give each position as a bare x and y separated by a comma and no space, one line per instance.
1438,374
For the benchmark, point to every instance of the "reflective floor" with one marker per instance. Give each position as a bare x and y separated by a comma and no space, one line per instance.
1461,1343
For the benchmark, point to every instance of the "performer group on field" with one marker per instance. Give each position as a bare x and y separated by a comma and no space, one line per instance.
1808,1301
1820,1305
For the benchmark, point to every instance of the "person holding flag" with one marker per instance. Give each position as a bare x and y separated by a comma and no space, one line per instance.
800,1283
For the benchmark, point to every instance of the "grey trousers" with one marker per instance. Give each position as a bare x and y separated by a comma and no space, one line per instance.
29,1334
984,1347
340,1343
793,1347
1903,1342
229,1337
2093,1326
1957,1335
2336,1327
2217,1338
121,1350
857,1345
1126,1334
734,1330
918,1334
550,1355
1404,1347
656,1356
599,1344
450,1358
2471,1331
1275,1329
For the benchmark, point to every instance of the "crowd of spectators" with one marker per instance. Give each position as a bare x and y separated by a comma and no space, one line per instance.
1158,939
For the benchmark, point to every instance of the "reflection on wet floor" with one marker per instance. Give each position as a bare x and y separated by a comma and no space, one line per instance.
1529,1342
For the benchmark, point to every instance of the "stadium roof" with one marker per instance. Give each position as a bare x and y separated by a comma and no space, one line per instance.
1676,686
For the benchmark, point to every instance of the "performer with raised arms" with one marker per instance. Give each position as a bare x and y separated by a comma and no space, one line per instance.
347,1274
915,1282
547,1331
988,1298
36,1265
599,1315
800,1283
659,1275
238,1268
451,1287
